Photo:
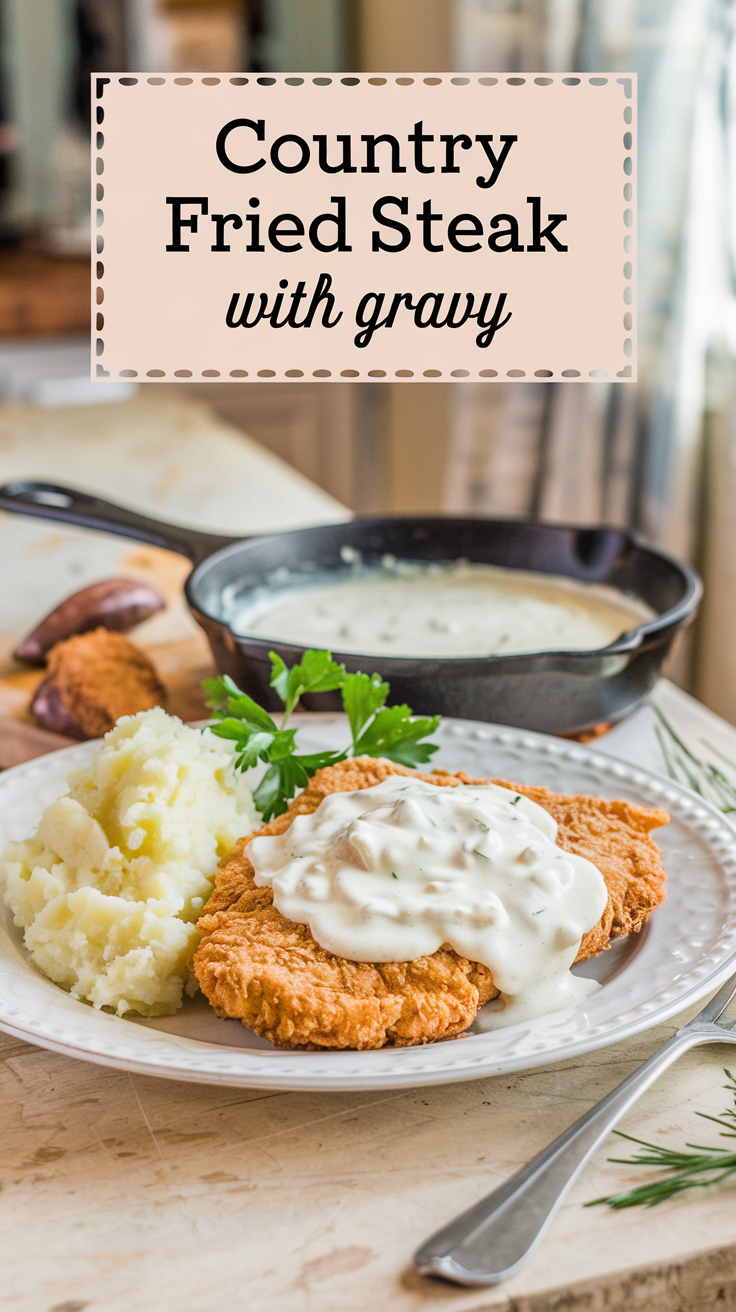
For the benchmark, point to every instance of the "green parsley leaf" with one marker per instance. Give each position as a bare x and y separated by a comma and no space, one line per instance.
395,735
251,745
296,771
269,796
226,699
316,672
319,760
284,776
284,744
253,749
279,675
220,689
362,696
229,727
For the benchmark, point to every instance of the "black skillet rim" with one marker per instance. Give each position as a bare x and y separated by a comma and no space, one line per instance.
630,641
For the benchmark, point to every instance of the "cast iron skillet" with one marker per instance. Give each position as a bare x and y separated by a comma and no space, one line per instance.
554,692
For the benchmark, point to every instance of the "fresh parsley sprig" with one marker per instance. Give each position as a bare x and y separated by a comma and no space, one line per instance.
689,1170
376,729
380,730
316,672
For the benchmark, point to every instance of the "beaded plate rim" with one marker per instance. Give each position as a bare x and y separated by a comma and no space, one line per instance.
650,987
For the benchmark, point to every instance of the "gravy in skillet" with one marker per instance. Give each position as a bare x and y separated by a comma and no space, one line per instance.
408,609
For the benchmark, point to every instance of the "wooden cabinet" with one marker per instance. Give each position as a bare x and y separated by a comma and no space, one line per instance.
40,295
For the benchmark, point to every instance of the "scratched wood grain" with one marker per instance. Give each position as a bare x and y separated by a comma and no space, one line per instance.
122,1192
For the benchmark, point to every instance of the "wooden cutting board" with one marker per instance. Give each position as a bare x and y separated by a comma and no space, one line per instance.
181,666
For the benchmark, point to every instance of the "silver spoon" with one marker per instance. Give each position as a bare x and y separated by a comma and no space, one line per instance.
490,1241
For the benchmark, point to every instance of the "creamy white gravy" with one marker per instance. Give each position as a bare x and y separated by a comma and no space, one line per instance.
458,609
393,872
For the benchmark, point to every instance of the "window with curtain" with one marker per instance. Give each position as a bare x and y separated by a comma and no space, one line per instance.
658,456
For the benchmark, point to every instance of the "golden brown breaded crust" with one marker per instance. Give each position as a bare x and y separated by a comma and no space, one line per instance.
614,835
102,675
269,972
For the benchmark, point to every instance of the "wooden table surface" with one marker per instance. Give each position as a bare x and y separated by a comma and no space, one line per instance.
122,1192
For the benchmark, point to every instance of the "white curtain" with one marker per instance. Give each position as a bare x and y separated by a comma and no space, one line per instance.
660,456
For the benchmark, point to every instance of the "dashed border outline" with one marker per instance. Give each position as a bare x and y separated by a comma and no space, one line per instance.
375,375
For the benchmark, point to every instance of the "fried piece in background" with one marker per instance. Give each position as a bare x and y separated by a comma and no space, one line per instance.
259,967
94,678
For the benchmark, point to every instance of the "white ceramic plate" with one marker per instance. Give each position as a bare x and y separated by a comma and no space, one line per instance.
687,949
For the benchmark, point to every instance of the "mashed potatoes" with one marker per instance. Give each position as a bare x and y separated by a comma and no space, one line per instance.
110,887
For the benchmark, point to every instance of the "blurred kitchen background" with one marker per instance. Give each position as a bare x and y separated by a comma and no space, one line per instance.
658,457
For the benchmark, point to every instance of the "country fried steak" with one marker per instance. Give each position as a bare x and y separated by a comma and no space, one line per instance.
256,965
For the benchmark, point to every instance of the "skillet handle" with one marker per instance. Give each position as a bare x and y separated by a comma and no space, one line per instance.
49,501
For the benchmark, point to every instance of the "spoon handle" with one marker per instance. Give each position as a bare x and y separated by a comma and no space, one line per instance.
486,1244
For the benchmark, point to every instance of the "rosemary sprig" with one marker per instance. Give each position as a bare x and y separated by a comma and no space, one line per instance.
699,1169
704,777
